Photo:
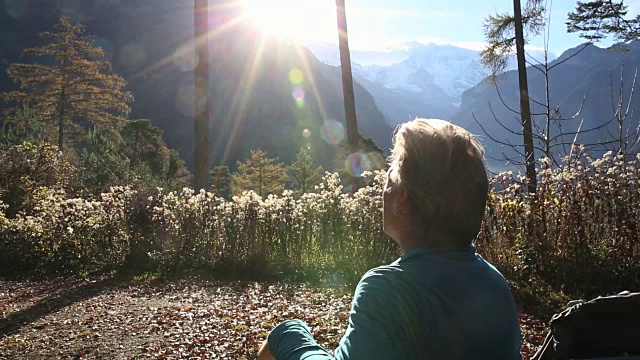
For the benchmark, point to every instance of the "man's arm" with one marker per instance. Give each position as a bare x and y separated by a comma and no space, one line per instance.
292,339
381,326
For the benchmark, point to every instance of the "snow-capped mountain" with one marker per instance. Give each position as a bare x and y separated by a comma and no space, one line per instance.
451,68
431,74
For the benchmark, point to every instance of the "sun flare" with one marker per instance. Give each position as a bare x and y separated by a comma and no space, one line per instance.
298,20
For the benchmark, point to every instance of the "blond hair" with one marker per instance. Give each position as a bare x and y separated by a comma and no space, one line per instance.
441,166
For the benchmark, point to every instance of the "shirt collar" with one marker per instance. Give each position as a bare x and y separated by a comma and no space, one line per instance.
447,251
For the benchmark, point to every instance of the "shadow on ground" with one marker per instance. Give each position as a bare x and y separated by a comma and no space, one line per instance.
75,292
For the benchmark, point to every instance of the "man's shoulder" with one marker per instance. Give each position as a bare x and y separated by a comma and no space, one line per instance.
381,278
383,289
383,272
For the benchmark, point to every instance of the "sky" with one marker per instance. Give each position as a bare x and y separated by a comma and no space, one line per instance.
382,25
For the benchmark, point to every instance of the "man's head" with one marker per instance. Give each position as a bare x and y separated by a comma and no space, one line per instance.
437,187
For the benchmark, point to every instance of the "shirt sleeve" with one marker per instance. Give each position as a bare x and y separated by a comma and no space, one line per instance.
381,321
379,327
292,339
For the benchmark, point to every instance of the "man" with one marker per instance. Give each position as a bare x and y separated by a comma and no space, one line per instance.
440,300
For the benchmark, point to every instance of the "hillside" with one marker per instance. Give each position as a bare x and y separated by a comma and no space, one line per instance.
252,103
593,72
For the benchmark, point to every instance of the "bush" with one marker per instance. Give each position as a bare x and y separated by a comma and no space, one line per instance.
279,234
577,237
65,235
28,166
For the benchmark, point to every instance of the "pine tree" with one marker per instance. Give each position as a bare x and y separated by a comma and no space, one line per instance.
143,144
261,174
108,156
103,163
177,175
24,127
595,20
220,180
74,88
303,174
149,157
500,33
504,32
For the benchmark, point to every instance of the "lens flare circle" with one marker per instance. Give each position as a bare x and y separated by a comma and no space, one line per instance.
190,99
16,8
332,132
185,58
298,93
357,163
296,76
306,133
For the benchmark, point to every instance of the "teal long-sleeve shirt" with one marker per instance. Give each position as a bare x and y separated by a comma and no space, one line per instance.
429,304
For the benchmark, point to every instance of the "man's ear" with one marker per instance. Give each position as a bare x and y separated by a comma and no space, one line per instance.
401,203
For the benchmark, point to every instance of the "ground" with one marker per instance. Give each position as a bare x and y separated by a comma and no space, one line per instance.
149,318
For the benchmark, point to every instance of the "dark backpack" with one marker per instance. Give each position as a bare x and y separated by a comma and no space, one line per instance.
603,327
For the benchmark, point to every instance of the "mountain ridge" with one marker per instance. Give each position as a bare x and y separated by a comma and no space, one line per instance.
433,77
586,77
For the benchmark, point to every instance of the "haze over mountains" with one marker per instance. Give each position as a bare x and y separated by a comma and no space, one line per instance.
417,79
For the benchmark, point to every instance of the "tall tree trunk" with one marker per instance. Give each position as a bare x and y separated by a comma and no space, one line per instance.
304,180
260,181
347,78
201,82
61,110
525,107
61,107
133,162
347,84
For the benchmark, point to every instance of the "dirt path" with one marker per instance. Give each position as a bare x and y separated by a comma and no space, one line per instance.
189,318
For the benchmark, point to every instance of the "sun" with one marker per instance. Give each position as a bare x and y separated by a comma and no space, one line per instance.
298,20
